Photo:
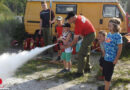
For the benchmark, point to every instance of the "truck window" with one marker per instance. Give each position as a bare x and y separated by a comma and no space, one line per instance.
64,9
111,11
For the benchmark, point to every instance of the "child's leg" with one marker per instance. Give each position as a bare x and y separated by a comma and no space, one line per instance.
68,60
107,85
101,64
59,52
70,65
63,58
67,66
108,68
64,62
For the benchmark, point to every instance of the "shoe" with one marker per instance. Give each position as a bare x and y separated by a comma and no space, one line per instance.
68,71
101,87
101,78
63,71
77,75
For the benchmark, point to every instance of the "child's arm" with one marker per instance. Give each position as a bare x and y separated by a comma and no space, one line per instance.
118,53
60,38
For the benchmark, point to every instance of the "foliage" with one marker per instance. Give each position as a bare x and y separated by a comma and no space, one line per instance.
16,6
10,30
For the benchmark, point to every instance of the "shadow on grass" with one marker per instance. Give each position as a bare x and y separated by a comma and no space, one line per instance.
120,81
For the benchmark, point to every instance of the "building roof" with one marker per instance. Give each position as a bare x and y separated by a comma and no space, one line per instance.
79,0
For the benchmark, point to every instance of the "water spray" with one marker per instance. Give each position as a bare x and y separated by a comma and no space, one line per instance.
9,63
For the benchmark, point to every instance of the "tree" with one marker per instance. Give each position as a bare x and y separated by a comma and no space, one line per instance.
16,6
4,10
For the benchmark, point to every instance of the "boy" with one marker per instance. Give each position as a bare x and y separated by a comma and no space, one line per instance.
58,31
66,38
101,38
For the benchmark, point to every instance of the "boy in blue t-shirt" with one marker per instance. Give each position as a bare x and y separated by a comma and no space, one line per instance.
113,49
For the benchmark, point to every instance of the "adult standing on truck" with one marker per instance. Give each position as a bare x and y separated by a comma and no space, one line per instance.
47,18
84,28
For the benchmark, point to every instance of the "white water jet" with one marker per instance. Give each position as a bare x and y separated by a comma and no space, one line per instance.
9,63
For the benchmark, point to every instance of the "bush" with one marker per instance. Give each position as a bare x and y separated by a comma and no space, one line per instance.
10,30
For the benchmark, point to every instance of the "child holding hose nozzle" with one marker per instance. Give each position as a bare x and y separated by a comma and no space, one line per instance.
66,39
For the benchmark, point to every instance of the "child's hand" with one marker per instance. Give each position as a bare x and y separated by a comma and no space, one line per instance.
60,38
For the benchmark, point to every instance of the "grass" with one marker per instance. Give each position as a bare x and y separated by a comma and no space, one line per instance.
34,66
119,81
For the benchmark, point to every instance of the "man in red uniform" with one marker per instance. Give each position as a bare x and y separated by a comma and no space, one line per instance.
85,29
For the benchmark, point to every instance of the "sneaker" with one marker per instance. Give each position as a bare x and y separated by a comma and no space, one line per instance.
63,71
101,87
68,71
101,78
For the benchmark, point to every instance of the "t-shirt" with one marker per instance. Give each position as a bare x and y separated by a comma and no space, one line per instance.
64,36
83,26
45,16
59,30
111,46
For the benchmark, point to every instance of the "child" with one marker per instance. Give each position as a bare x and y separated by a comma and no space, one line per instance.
101,38
113,48
58,30
66,55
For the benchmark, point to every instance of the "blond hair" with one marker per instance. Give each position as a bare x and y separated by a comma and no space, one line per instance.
116,23
102,32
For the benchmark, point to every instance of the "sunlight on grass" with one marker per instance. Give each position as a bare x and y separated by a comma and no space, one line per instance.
119,81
